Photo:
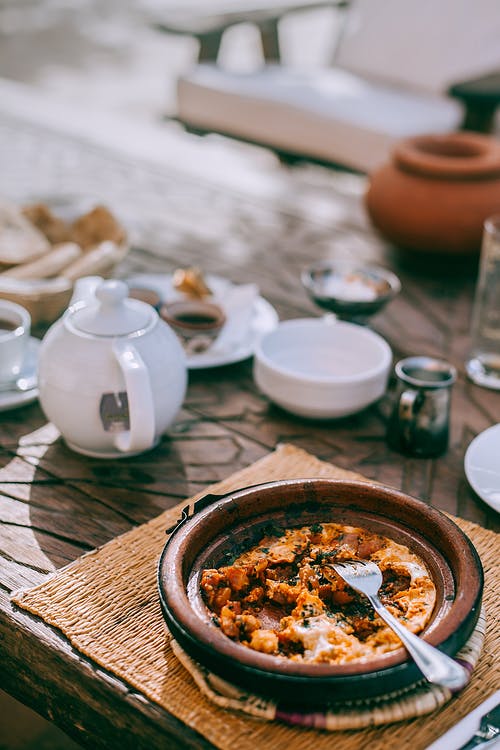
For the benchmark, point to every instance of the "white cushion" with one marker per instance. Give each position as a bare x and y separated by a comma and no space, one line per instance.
329,114
425,44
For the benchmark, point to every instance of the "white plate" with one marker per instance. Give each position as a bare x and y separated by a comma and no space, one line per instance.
264,318
13,399
482,466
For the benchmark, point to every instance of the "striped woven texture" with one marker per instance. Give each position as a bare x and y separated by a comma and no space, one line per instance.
106,604
415,701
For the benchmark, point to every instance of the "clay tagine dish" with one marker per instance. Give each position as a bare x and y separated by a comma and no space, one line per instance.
436,192
225,526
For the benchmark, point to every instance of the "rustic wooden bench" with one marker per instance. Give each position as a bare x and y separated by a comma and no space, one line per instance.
208,25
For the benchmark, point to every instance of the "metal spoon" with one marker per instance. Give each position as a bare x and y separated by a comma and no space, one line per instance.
24,383
365,577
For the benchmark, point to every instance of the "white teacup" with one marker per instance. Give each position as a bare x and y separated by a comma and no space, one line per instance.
15,325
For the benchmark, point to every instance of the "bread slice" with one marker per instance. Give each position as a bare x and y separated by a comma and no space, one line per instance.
20,241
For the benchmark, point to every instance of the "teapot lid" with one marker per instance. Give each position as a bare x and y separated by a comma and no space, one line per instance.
113,313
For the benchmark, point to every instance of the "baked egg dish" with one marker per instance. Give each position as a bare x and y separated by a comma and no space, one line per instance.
275,597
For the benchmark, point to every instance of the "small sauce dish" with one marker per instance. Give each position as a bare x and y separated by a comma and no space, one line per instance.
322,368
196,322
353,292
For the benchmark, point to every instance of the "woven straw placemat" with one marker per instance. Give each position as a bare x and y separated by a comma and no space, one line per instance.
416,700
106,604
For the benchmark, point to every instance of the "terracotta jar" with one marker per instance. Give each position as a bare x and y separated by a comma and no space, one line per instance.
436,192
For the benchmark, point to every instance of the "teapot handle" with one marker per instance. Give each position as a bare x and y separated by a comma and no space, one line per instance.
141,435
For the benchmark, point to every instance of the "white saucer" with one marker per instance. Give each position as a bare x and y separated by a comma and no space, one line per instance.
13,399
264,319
482,466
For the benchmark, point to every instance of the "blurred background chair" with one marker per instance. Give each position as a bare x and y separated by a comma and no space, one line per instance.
401,68
209,22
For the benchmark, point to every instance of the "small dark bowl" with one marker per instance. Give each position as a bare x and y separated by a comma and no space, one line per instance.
237,520
381,283
191,318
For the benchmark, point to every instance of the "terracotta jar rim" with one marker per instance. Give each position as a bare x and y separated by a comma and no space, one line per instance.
453,156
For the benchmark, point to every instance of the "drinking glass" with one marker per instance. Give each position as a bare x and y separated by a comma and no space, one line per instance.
483,363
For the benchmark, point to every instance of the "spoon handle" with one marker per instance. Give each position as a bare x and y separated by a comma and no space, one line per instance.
21,384
436,666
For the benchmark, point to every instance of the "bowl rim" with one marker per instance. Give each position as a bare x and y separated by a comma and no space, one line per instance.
207,641
327,380
347,265
452,156
168,309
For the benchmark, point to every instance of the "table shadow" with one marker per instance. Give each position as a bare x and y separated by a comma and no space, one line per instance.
69,504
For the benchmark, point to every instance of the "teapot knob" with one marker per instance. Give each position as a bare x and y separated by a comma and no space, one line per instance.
112,292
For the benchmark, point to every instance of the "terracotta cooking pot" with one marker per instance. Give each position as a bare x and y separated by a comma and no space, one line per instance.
436,192
216,527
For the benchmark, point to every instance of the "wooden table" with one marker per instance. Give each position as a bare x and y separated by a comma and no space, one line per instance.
56,505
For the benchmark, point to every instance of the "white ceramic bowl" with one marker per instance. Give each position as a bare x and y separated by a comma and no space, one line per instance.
322,367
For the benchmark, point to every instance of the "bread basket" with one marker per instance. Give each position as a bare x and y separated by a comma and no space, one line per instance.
40,276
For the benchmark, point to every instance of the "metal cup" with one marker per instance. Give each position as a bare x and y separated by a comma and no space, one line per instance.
419,424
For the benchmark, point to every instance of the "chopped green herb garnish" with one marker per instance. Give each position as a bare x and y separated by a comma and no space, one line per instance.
273,529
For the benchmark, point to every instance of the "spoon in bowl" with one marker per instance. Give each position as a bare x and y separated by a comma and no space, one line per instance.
365,577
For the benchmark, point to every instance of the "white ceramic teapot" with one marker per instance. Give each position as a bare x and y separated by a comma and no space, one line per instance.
112,375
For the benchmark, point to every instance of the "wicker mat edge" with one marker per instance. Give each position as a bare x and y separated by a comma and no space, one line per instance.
106,600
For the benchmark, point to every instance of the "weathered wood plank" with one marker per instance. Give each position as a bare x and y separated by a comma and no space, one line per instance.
120,493
41,669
